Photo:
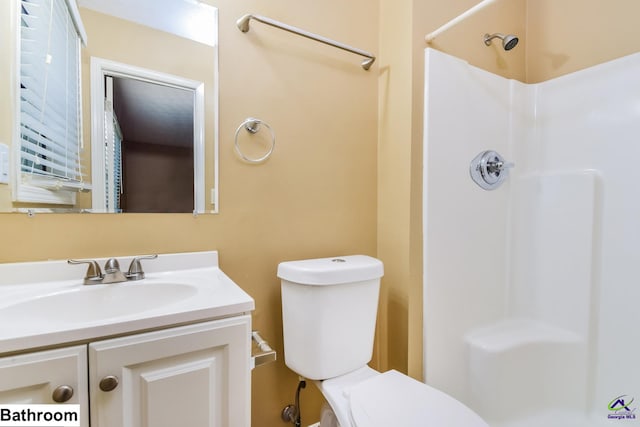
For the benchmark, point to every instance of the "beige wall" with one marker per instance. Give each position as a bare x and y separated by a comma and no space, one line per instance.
394,155
316,196
570,35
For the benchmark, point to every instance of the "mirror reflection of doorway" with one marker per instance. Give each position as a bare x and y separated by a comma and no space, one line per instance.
150,141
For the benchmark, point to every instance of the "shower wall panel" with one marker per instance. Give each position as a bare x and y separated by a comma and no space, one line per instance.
467,111
590,120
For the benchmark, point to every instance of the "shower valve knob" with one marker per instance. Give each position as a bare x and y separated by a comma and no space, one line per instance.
489,169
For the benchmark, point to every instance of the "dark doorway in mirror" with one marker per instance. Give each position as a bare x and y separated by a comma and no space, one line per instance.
157,158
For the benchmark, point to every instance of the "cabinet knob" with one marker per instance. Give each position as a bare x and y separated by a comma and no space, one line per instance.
108,383
62,393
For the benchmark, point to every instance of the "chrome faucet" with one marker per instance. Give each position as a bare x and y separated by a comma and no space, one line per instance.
112,273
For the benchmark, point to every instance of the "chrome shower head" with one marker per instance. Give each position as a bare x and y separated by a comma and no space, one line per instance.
508,42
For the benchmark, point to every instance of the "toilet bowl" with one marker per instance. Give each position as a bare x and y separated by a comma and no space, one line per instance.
329,308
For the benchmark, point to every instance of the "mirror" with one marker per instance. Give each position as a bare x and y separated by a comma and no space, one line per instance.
161,59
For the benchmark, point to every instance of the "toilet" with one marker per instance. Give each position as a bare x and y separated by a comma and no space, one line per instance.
329,309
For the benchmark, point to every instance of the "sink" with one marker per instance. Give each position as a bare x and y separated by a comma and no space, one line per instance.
97,303
45,304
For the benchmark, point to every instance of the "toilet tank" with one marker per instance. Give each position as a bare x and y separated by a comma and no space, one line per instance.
329,309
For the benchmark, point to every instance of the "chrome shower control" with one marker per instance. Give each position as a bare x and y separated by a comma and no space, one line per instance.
489,169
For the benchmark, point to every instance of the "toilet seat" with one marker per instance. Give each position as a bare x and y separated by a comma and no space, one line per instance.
366,398
392,398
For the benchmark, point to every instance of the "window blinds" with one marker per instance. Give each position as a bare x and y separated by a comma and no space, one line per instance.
50,133
112,156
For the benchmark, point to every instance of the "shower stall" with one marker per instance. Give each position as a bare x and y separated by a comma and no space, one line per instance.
532,289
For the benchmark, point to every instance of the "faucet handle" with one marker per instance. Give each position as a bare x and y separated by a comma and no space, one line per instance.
135,268
94,273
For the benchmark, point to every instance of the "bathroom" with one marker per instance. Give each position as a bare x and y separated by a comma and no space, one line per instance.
346,174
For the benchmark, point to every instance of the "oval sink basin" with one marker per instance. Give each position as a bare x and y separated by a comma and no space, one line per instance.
99,302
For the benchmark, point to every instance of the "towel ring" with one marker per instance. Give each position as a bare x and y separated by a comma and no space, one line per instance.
252,125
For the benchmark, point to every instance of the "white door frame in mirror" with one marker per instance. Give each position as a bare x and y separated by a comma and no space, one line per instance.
104,67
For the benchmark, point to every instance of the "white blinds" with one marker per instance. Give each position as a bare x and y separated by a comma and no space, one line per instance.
112,155
50,93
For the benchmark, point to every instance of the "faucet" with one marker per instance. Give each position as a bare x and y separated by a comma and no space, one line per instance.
112,273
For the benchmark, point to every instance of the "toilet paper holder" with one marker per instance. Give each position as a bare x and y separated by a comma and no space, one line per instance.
265,353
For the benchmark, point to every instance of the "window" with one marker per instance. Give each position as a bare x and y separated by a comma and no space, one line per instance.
50,106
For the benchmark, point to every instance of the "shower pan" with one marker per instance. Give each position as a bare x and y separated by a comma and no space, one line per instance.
535,280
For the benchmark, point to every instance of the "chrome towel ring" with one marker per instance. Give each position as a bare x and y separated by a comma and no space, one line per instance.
252,125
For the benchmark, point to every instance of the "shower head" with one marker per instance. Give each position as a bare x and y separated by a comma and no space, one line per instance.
508,42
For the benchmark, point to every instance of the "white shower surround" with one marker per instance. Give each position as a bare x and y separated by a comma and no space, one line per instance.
531,291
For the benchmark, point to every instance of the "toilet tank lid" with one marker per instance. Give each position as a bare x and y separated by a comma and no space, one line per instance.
331,271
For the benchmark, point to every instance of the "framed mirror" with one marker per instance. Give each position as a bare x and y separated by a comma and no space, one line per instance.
170,45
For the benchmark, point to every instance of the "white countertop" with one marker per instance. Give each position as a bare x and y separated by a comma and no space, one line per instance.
42,304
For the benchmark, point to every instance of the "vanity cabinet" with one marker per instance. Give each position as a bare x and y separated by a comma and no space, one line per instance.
44,377
196,375
171,350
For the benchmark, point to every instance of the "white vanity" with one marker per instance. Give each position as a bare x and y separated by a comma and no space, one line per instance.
171,349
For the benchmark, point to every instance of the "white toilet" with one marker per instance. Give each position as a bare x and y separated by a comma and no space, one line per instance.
329,309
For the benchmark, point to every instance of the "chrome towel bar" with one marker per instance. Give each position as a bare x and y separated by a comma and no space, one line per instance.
243,25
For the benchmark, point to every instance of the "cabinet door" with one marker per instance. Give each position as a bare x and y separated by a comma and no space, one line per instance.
196,376
33,378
